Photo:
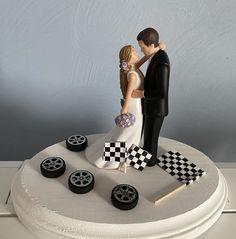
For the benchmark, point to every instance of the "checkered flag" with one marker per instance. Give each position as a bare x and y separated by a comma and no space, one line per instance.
115,151
138,157
178,166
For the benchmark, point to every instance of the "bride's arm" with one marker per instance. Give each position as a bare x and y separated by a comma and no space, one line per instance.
132,79
141,61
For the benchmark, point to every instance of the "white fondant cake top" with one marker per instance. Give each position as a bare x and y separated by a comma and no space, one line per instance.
96,205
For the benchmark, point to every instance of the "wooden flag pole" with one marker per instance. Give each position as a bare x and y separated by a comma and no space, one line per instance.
168,194
123,167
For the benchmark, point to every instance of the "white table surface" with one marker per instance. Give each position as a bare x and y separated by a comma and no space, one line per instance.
11,228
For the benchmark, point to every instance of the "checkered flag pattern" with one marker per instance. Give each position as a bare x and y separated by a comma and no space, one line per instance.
115,151
178,166
138,157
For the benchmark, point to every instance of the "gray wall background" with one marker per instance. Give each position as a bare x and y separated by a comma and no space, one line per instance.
59,71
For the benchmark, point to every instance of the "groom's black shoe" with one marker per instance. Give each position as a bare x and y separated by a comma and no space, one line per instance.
152,161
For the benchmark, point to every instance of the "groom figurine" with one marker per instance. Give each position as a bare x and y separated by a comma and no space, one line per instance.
155,94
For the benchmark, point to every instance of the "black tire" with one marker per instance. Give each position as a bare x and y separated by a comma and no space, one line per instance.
124,196
53,167
81,181
76,143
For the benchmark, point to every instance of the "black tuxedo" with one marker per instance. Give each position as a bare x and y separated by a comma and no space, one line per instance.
155,101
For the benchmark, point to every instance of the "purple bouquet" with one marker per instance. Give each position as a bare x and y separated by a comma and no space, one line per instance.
125,120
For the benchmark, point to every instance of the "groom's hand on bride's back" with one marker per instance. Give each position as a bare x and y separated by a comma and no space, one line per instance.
138,94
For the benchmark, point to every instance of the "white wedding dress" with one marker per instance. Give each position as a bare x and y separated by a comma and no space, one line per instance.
131,135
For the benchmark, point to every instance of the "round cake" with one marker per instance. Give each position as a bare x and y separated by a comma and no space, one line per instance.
48,207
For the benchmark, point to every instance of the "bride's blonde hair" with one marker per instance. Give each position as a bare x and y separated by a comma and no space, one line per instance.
125,56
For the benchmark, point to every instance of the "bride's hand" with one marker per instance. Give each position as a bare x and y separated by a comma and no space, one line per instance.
162,46
123,110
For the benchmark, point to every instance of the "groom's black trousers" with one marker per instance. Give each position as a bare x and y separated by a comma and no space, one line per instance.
151,130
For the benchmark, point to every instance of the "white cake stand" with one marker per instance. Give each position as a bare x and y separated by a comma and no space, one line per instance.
49,209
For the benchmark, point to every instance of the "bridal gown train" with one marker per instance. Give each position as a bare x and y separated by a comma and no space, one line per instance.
131,135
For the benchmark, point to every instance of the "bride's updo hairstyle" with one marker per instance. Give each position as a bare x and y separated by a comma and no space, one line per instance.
125,56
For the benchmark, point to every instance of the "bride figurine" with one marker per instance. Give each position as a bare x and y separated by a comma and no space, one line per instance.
131,78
